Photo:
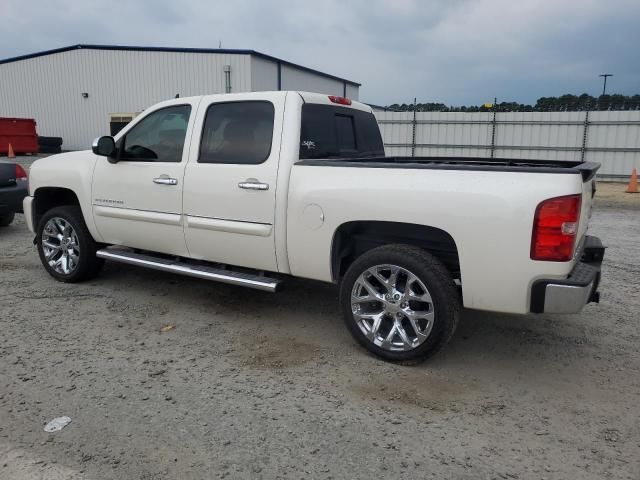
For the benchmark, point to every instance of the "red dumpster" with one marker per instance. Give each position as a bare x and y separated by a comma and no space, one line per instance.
20,133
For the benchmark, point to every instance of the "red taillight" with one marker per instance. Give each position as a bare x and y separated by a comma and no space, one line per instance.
340,100
555,228
20,173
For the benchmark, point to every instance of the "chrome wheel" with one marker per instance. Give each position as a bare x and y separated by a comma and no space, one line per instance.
392,307
60,245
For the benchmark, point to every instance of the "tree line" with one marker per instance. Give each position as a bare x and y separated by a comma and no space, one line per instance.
563,103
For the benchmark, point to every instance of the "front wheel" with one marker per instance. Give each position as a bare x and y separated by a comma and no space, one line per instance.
400,303
65,245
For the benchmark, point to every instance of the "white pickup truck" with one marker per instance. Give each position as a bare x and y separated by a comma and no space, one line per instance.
249,188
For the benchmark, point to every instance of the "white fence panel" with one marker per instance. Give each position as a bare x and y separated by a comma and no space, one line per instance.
609,137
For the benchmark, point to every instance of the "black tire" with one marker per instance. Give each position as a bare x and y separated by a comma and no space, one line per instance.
439,283
50,141
49,149
7,219
88,265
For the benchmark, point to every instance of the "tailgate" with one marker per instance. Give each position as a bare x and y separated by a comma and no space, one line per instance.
588,194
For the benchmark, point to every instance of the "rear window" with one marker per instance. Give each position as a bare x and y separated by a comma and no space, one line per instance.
334,132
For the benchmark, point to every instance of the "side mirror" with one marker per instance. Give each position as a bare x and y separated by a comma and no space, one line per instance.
104,146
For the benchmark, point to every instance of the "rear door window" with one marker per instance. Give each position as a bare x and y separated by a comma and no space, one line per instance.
237,132
338,132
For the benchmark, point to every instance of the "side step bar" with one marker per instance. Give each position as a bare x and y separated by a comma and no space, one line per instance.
258,282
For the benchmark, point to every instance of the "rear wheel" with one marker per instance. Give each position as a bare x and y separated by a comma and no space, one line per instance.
400,303
66,248
5,220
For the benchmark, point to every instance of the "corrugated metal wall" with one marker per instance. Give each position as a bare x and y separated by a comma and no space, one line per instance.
264,74
264,77
296,79
49,88
612,137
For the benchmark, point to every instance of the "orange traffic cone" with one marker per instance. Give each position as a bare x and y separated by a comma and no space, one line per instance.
633,183
11,154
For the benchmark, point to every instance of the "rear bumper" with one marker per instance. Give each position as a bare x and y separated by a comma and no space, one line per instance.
11,197
580,287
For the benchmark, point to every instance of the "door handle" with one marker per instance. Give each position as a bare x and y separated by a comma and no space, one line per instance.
253,184
165,180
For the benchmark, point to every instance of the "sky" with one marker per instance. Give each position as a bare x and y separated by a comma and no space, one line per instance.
458,52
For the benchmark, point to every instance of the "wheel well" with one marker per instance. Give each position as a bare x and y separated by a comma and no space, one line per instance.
45,198
352,239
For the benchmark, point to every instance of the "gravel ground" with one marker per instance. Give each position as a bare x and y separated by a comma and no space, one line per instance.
254,385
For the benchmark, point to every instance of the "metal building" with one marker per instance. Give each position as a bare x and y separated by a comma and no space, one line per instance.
83,91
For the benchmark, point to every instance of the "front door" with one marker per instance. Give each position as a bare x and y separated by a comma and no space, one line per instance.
230,180
137,201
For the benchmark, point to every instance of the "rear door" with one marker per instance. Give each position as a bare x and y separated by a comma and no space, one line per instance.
230,180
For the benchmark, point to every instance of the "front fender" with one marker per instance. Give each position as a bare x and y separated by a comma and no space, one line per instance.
71,171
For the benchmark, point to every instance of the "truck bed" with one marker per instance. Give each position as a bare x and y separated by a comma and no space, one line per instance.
586,169
487,207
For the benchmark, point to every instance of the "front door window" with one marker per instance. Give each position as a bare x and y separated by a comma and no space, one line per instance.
159,137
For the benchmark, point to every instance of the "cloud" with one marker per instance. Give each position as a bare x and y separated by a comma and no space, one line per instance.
454,51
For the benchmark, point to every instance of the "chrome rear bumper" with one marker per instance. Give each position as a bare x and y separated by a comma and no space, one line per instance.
580,287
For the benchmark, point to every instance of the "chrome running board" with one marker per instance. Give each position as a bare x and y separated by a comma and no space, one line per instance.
205,272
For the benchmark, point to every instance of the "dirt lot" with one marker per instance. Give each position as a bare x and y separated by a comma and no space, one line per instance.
253,385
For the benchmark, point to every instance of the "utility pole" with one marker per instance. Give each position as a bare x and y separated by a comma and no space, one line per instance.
604,87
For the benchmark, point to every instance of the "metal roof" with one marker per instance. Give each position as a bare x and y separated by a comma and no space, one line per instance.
176,50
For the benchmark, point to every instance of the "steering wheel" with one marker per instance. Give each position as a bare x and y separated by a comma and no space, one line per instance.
139,151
